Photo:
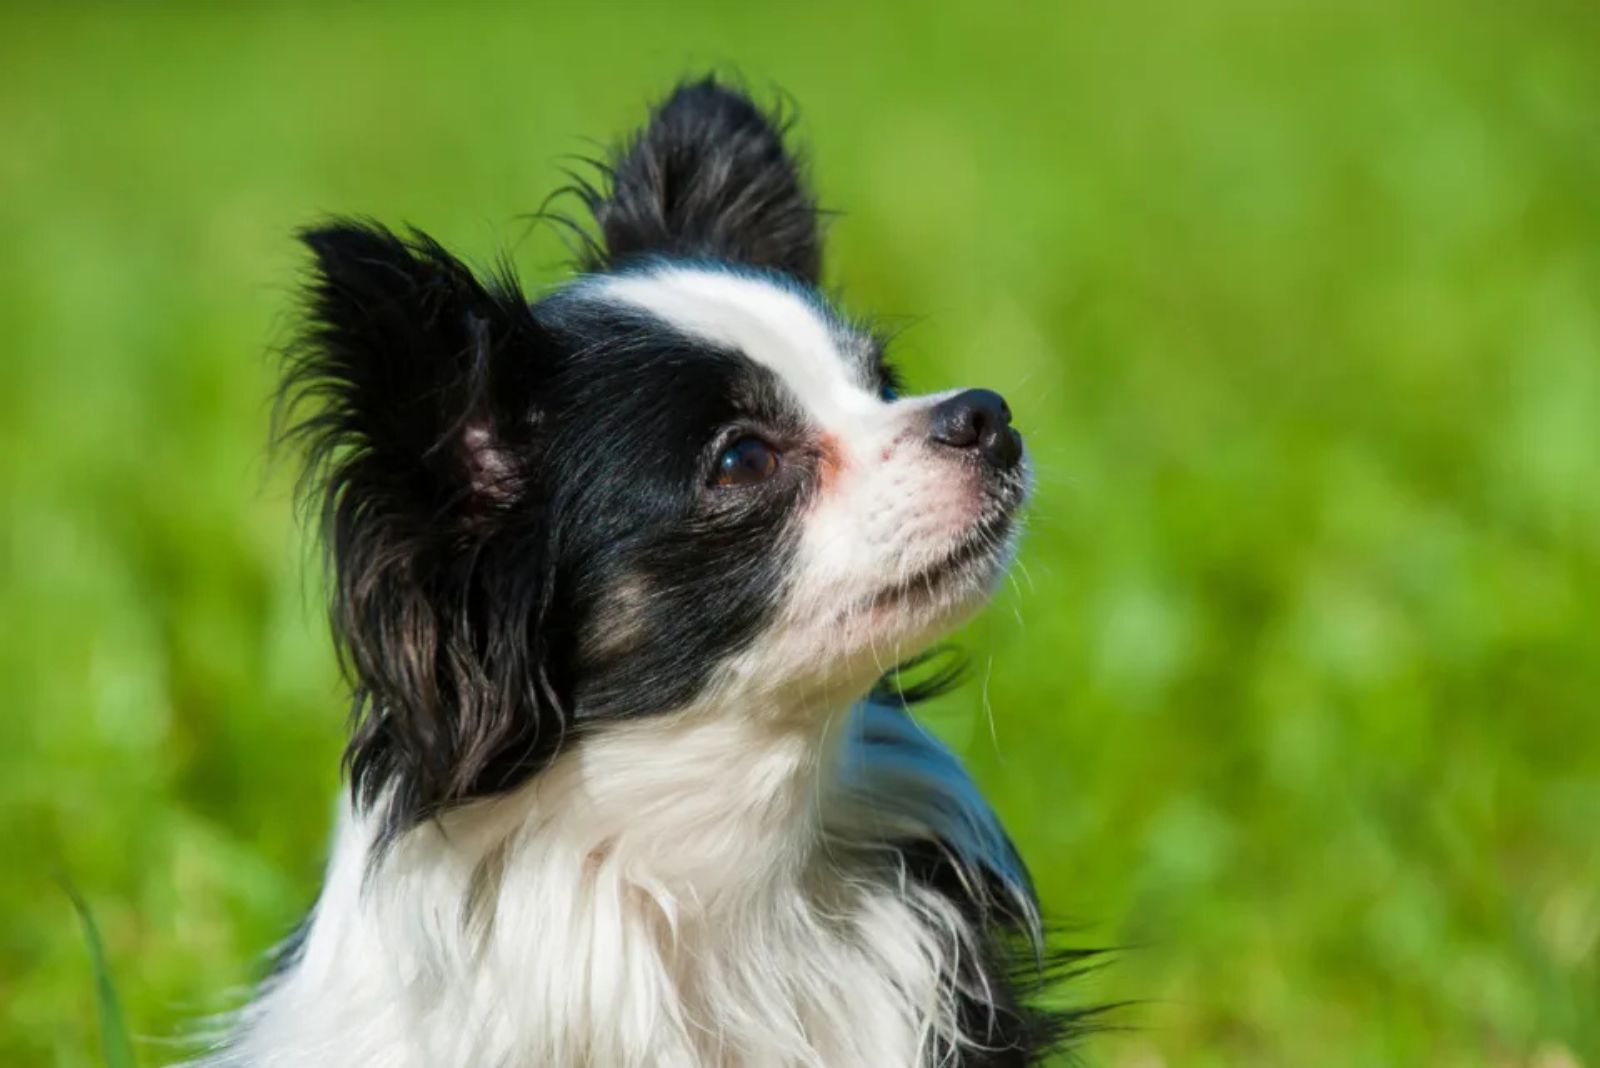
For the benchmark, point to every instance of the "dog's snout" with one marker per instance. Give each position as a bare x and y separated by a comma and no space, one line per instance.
977,419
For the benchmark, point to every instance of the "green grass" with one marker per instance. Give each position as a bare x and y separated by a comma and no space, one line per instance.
116,1050
1298,304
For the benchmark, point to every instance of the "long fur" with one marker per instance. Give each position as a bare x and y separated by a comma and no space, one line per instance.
416,377
633,776
530,931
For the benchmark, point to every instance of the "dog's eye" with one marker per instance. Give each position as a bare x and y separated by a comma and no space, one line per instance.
746,462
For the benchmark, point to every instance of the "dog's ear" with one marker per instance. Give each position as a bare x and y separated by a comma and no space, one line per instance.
709,176
415,388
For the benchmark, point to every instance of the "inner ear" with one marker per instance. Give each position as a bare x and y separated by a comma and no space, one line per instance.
491,471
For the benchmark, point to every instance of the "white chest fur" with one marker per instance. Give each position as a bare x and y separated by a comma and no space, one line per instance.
688,892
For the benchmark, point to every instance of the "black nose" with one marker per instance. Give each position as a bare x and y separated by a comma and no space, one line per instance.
977,419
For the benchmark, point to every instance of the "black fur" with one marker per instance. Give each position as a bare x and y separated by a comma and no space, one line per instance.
491,476
514,506
423,447
468,472
709,177
1002,983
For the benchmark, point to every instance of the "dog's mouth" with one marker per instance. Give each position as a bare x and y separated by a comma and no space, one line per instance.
972,562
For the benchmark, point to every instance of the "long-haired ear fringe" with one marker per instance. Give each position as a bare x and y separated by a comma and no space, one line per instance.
413,390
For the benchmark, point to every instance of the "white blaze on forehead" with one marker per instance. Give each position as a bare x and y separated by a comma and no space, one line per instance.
765,322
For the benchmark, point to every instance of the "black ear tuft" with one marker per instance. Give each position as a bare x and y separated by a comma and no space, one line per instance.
709,176
415,388
413,357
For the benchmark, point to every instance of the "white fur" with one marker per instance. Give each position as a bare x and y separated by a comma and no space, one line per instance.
703,890
713,887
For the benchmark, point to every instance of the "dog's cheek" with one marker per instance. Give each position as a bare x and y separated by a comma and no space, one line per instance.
878,523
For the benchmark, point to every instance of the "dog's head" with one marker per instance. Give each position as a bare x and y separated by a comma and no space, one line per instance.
684,477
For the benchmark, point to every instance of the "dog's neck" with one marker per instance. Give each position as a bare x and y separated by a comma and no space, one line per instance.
700,800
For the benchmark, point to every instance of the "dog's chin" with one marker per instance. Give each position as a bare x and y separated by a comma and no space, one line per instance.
840,643
941,594
900,618
966,572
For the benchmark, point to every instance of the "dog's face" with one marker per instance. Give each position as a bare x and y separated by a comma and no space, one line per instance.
759,510
684,478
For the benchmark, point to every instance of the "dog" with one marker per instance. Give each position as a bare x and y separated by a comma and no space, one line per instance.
625,579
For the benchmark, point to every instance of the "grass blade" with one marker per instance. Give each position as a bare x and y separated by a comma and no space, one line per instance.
114,1041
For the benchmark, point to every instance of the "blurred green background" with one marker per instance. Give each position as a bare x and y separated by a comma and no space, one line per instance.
1298,304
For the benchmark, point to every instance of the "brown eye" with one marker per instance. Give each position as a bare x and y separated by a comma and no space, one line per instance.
746,462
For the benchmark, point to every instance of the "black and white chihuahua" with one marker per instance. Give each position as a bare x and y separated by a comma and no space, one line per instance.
621,576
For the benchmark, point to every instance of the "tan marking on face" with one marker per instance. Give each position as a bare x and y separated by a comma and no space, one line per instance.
619,623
